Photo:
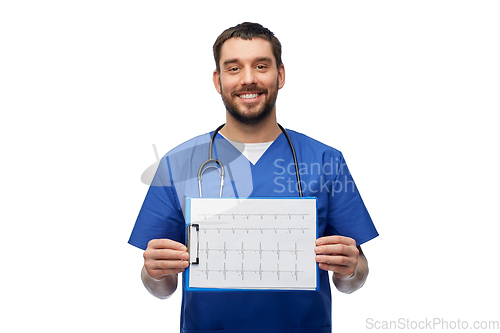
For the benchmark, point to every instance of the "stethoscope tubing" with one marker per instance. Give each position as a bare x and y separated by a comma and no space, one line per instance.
299,184
220,167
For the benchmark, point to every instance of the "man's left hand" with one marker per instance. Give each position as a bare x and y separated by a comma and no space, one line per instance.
338,254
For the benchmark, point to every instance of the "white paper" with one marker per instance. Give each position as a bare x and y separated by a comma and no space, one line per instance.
253,243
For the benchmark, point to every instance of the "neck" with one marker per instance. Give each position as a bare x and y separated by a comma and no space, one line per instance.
264,131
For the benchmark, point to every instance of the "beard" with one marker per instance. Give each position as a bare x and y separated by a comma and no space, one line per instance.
254,114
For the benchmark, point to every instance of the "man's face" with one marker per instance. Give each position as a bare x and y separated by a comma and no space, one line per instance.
249,79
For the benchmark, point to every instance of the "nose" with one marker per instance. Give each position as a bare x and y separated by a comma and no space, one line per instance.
248,77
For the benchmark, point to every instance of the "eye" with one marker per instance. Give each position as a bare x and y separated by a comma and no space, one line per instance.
233,69
261,67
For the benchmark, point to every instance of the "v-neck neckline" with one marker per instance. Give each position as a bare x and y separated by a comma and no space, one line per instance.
261,156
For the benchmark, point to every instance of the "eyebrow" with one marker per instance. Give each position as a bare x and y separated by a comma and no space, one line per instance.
235,60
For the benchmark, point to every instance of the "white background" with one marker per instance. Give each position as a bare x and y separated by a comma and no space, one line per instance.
407,90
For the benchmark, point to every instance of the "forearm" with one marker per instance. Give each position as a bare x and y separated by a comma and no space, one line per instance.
159,288
351,284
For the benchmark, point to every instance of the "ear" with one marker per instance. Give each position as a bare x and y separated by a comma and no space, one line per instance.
281,76
216,78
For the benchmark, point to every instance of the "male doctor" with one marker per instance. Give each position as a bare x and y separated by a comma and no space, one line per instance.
248,75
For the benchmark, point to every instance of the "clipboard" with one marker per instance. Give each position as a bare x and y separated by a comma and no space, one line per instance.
251,244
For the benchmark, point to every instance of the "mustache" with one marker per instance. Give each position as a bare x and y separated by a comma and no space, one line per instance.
250,90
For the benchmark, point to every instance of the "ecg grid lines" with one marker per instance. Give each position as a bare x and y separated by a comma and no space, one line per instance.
242,250
256,244
241,272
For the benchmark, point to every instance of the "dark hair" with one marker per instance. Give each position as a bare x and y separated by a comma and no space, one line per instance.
247,30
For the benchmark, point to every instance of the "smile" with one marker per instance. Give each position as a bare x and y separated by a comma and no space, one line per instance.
249,96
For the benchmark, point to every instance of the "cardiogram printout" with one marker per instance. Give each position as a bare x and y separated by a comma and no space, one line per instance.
251,243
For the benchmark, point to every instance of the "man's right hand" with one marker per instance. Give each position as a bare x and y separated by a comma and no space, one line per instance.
165,257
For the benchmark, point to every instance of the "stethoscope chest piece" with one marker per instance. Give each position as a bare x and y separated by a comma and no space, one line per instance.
204,167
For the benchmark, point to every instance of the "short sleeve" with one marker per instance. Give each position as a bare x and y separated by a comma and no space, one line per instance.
160,215
347,214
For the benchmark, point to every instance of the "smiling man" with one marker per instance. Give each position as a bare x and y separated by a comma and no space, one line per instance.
248,80
254,148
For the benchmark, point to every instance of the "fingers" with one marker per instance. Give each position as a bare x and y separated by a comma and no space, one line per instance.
165,257
166,244
337,250
337,259
158,269
336,246
165,254
337,253
344,266
340,271
335,240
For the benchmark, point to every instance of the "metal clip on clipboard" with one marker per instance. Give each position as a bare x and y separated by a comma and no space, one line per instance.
193,231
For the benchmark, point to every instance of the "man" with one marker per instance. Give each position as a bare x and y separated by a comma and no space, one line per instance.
248,75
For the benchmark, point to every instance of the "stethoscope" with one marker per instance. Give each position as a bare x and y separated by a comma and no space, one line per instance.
220,167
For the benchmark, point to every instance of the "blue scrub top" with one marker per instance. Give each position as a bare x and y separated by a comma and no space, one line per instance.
324,174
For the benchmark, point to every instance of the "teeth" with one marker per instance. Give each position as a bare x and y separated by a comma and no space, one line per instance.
248,96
